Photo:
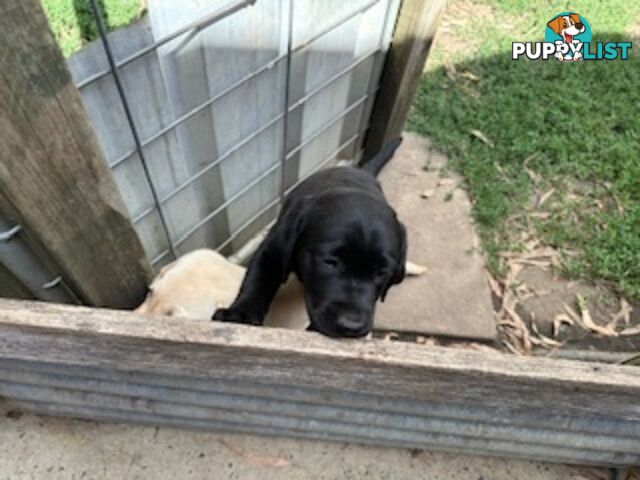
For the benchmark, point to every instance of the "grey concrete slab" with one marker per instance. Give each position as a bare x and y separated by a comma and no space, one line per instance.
33,447
452,298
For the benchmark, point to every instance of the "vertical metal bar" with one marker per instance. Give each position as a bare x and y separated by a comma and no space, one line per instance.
285,122
127,110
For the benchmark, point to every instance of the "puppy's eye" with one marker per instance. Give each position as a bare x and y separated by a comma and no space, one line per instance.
381,273
330,262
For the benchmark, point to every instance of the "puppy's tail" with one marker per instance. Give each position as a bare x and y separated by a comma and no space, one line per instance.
376,164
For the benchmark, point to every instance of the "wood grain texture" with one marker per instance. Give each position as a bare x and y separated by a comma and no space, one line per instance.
416,26
120,366
52,173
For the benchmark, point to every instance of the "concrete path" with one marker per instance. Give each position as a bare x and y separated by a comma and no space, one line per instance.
53,449
452,298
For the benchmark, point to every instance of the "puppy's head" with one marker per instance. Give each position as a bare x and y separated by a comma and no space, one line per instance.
567,25
348,252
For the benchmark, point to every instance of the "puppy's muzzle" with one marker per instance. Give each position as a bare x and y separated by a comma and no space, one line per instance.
353,323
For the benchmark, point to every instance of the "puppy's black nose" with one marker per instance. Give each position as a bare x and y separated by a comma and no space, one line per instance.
579,26
353,322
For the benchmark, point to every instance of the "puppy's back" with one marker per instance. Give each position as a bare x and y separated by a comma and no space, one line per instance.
193,286
201,281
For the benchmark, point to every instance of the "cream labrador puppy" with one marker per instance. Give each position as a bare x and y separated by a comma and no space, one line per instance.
201,281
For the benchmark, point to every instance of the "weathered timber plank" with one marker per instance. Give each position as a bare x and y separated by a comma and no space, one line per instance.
84,362
52,174
415,29
84,336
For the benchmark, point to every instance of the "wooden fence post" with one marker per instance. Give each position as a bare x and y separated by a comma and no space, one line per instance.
415,28
53,177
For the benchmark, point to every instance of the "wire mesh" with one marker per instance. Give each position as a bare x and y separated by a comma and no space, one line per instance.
188,32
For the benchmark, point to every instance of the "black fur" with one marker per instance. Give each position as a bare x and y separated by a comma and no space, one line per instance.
343,241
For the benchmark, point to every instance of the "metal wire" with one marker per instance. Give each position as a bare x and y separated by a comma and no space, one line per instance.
160,133
248,78
333,26
191,28
9,234
346,70
204,170
273,203
127,110
264,209
328,124
285,109
270,123
287,156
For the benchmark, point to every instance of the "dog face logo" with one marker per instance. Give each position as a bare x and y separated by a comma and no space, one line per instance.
568,28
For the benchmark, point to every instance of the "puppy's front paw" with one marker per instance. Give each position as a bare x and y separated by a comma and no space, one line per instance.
234,315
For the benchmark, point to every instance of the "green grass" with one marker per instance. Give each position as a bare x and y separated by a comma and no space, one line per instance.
72,21
575,127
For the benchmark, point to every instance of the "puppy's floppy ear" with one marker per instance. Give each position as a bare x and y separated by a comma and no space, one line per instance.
557,24
400,269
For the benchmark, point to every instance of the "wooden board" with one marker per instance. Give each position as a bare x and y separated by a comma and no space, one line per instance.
52,173
416,26
115,365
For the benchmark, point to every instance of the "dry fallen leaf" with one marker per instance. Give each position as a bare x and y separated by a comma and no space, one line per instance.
623,314
630,331
451,72
446,182
535,177
629,473
546,341
594,473
572,314
258,460
559,320
588,321
546,197
470,76
428,193
541,215
482,137
495,286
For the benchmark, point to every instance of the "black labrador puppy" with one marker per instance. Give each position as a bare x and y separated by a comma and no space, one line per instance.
343,241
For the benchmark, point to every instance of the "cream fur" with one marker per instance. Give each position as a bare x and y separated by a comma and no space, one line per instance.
201,281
